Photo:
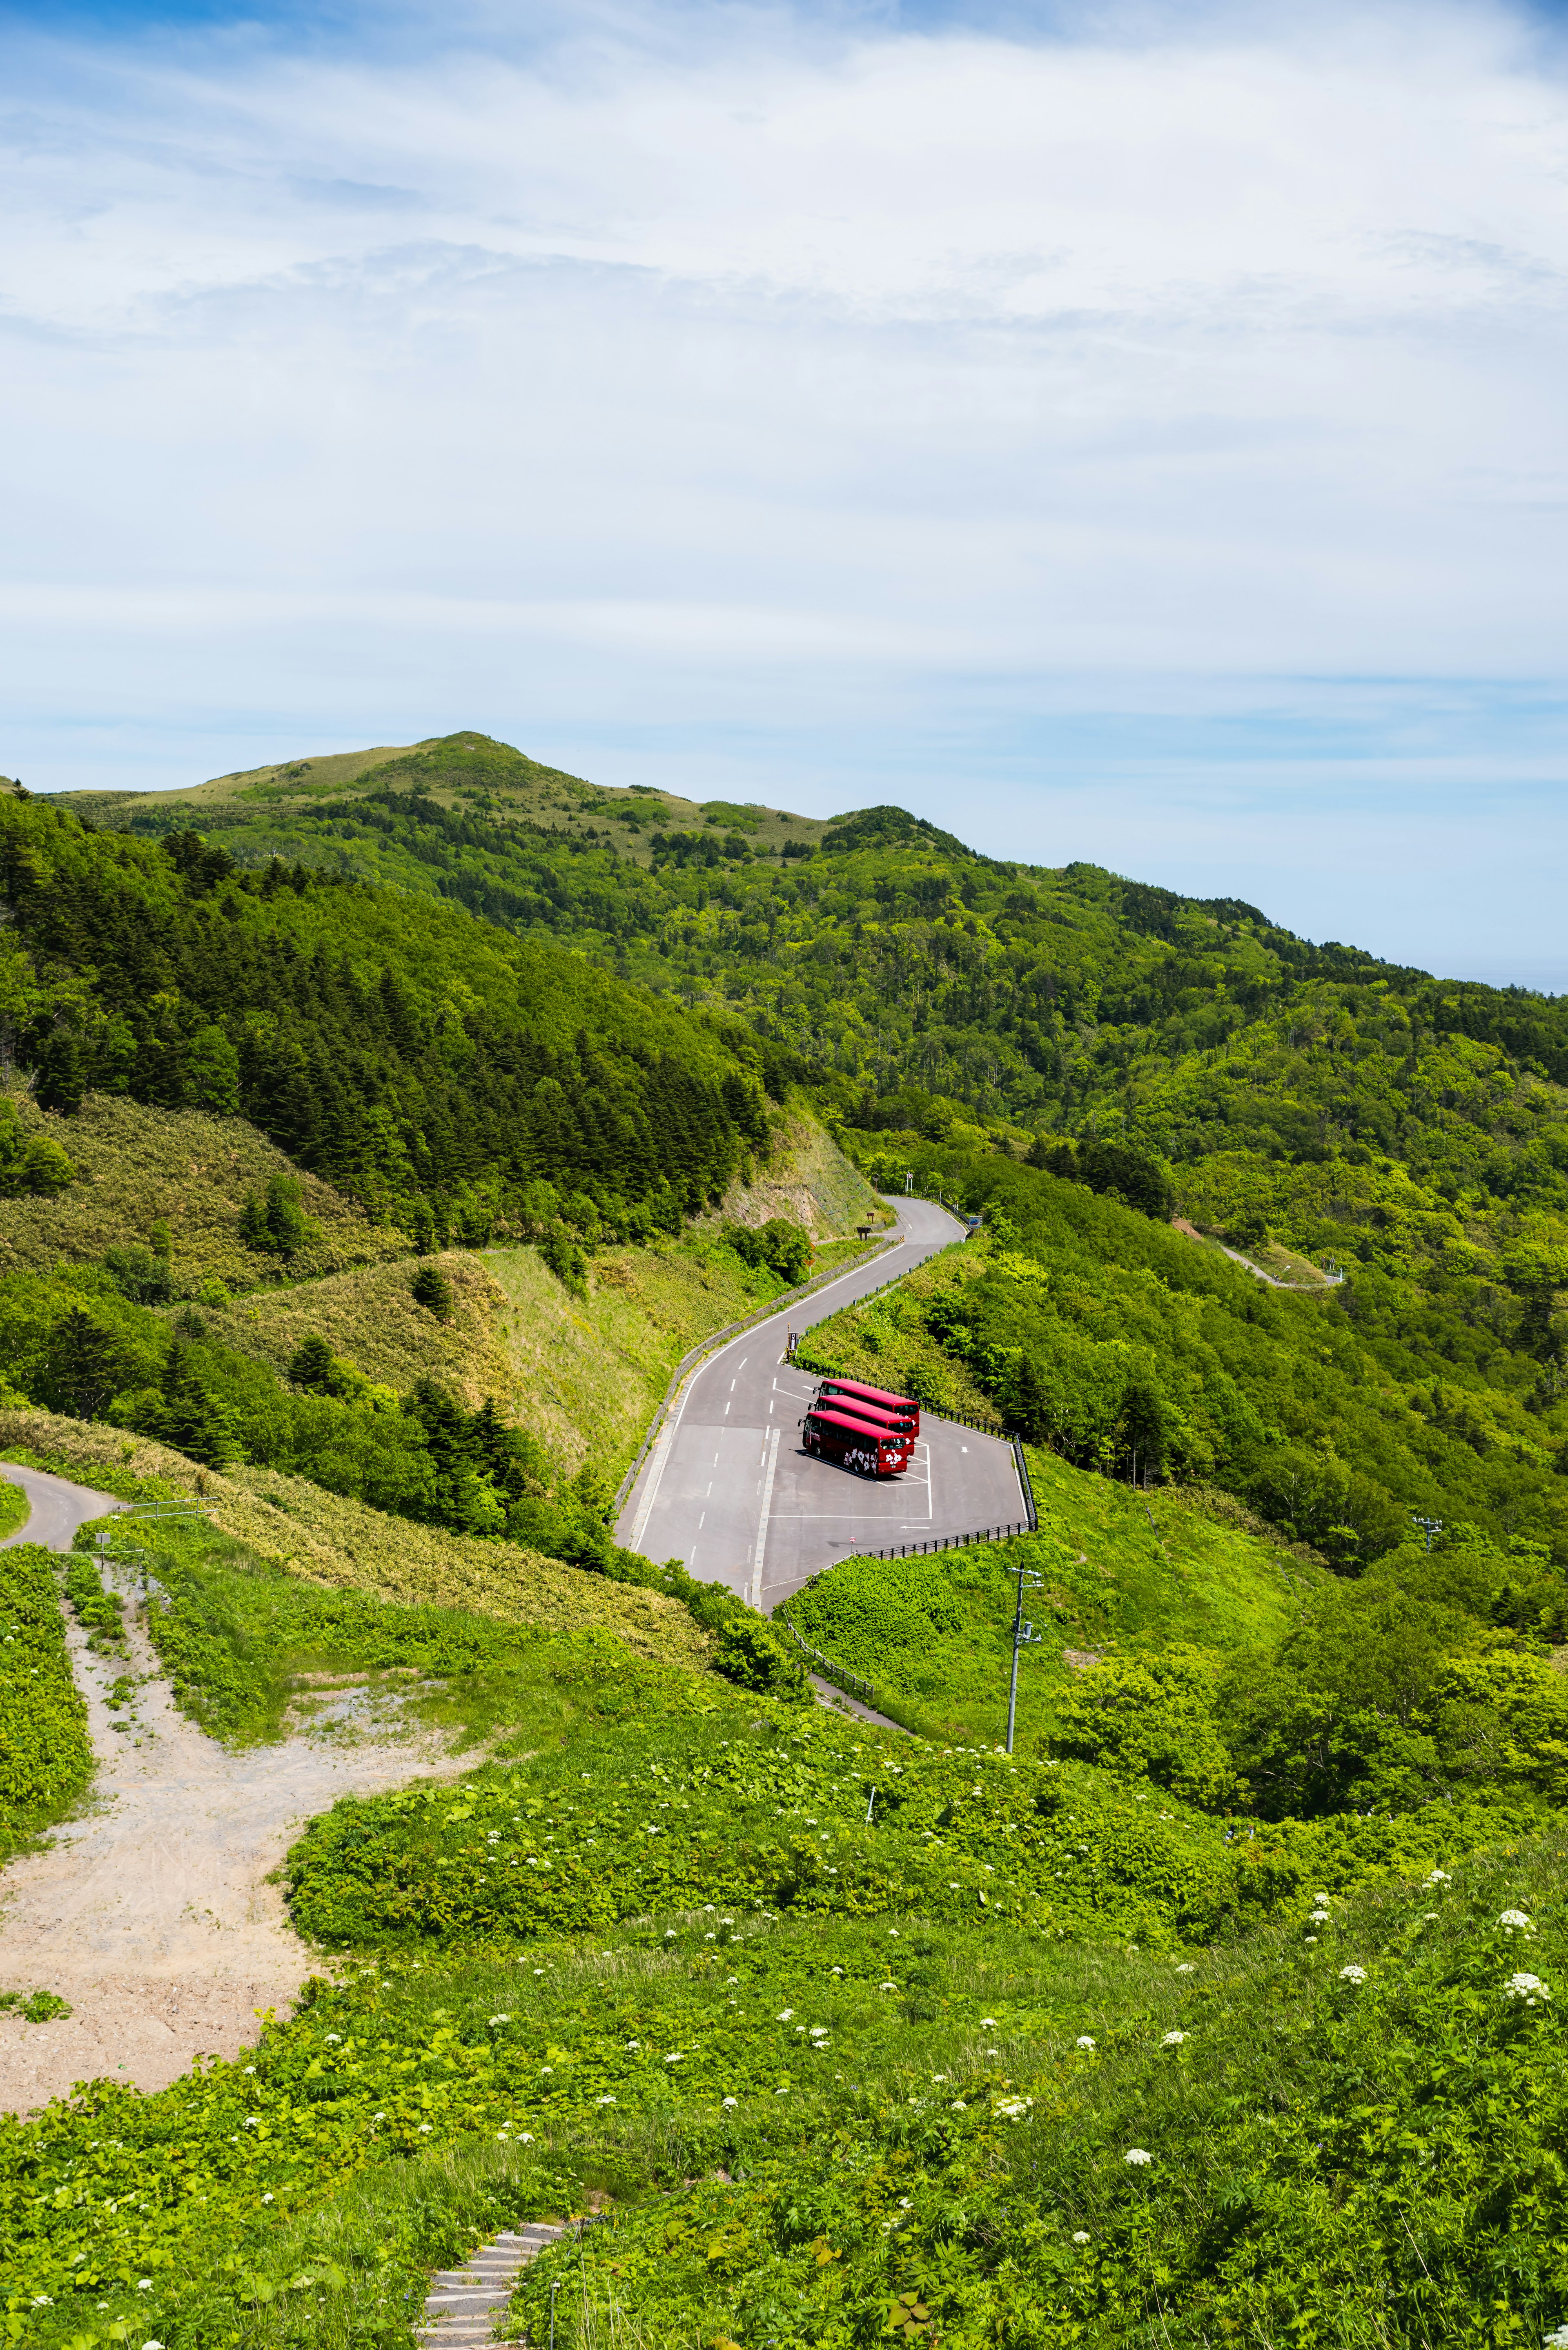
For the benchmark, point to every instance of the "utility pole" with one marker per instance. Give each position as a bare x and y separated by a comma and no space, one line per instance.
1022,1633
1429,1526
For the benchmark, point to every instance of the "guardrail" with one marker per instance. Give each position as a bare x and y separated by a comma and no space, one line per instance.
853,1684
1024,1486
943,1541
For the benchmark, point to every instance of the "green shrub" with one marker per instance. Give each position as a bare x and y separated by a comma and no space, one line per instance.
432,1290
46,1758
100,1613
1150,1718
32,1165
782,1246
566,1260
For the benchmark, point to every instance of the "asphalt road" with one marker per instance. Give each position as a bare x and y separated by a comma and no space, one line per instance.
59,1507
727,1488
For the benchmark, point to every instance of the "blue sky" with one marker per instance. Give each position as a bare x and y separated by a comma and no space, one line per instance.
1124,433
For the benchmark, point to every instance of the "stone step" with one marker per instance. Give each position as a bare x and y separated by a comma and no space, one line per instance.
463,2304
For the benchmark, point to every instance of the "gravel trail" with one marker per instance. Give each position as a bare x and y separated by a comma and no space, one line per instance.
151,1913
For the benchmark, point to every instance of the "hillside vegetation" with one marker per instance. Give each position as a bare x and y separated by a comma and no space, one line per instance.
338,1543
172,1185
825,2092
1238,2022
1111,1574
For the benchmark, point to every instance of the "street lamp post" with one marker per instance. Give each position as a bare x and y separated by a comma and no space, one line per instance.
1022,1633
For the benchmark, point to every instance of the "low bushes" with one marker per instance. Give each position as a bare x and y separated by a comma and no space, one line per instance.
46,1758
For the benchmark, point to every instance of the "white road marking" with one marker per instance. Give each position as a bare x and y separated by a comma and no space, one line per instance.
762,1519
886,1269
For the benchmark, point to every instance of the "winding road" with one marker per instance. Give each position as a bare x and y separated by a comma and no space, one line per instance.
727,1488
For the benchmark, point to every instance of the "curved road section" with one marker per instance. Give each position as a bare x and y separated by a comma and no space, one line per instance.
728,1489
58,1507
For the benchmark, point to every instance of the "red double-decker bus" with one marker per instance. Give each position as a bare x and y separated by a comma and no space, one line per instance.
859,1444
852,1396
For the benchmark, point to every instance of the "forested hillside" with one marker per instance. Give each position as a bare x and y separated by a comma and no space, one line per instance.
441,1073
1405,1118
956,1014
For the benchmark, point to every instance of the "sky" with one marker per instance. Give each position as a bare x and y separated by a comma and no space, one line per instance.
1133,434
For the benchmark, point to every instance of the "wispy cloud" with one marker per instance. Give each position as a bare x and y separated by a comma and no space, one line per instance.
1136,435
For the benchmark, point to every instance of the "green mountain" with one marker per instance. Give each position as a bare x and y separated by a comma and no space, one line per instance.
1237,2021
1306,1105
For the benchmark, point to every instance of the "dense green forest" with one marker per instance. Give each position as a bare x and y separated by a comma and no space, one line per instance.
445,1075
1353,1104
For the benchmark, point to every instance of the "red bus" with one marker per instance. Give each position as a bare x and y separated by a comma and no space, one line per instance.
869,1451
854,1393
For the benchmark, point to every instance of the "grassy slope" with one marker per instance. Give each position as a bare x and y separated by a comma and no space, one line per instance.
1376,2154
344,1544
808,1180
137,1164
1119,1571
451,769
884,1341
583,1375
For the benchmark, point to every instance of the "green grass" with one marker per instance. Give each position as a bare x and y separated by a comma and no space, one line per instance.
798,2111
137,1165
1121,1572
46,1756
15,1507
252,1651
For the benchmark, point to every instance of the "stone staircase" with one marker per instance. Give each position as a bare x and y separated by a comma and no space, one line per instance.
463,2304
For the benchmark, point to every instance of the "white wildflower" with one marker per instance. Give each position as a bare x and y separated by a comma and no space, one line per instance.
732,2101
1013,2109
1352,1974
1080,2235
1138,2156
1185,1967
1439,1876
1173,2039
1086,2041
1529,1988
1513,1919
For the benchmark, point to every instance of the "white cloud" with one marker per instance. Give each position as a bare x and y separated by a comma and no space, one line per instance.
792,398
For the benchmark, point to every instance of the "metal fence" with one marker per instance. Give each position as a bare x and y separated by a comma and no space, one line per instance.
853,1684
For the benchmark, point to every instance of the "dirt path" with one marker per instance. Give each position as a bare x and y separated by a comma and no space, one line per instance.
151,1913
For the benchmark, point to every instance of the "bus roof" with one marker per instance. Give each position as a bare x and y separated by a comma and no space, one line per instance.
859,1427
879,1396
880,1415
